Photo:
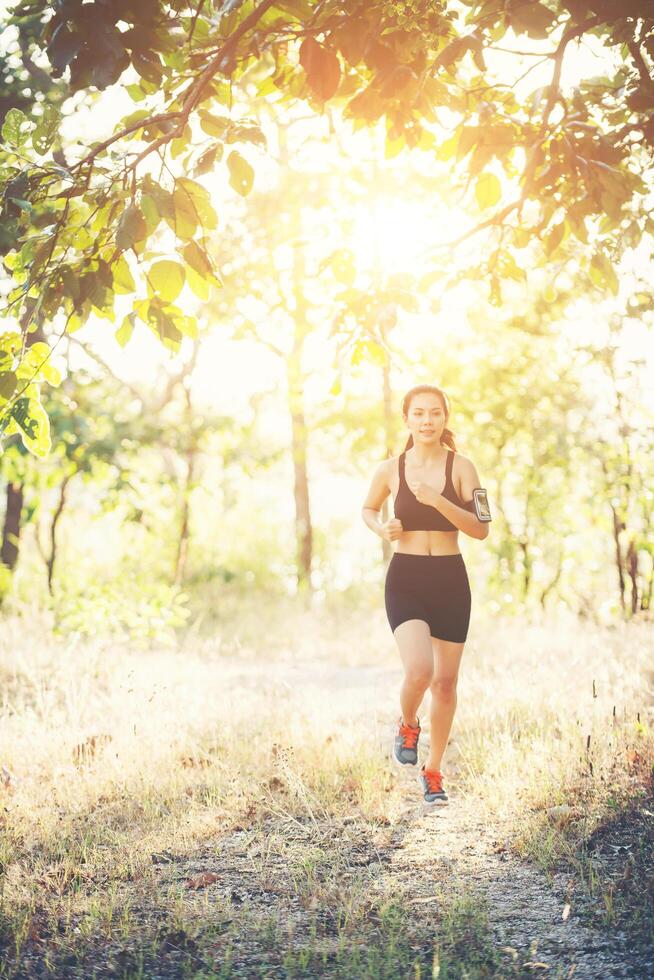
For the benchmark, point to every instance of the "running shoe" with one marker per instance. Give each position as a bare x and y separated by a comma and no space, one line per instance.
405,744
431,784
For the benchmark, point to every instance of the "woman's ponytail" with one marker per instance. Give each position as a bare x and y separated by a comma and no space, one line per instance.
447,439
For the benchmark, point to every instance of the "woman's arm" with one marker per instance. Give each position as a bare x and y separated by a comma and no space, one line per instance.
466,521
377,494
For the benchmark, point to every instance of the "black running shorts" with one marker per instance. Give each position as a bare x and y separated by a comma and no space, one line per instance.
434,588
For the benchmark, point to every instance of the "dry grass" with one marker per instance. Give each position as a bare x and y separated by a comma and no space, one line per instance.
124,770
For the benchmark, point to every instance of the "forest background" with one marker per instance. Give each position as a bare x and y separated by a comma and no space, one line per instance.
229,446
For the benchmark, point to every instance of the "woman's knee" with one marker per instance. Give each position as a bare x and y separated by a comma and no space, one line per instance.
443,688
416,653
418,675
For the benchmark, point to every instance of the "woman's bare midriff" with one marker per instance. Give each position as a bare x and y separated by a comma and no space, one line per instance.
422,542
428,543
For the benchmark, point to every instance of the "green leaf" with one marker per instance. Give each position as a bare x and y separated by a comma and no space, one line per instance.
522,237
448,148
352,38
192,203
166,279
196,257
151,211
63,47
199,285
180,143
393,147
14,131
531,18
488,190
245,133
135,93
8,382
46,130
122,277
510,269
322,67
184,220
51,374
23,205
241,174
468,137
134,117
602,273
196,192
213,125
207,160
131,229
165,326
125,330
148,65
554,238
33,424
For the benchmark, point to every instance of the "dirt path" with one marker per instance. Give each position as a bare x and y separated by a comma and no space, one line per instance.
526,913
529,916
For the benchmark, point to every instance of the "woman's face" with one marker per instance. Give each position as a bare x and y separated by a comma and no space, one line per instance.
426,419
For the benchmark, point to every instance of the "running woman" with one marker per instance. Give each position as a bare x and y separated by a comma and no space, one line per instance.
427,593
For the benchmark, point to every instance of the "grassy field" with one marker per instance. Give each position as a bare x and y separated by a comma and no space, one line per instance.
227,808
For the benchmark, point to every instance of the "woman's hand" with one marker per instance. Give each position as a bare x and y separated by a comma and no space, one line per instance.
392,529
424,493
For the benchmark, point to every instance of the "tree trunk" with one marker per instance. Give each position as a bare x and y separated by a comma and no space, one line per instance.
632,568
618,526
184,530
295,381
53,531
191,460
646,597
15,494
11,526
552,583
303,526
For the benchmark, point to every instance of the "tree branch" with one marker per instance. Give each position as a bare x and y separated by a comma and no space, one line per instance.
194,21
191,98
569,34
637,55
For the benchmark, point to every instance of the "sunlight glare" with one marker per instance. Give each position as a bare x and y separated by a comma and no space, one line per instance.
390,234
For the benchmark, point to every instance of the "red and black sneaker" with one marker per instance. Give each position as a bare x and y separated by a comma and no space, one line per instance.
405,744
431,784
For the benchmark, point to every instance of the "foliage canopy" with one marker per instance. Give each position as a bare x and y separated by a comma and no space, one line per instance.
567,166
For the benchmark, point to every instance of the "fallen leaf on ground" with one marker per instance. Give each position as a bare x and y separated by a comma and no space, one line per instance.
202,880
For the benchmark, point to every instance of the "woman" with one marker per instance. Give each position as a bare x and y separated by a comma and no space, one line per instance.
427,593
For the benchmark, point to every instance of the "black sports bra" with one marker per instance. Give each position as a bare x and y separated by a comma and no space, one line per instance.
421,517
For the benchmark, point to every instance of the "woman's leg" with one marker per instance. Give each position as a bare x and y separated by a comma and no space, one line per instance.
446,659
413,639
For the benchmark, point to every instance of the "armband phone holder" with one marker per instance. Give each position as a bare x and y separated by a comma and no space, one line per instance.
482,507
